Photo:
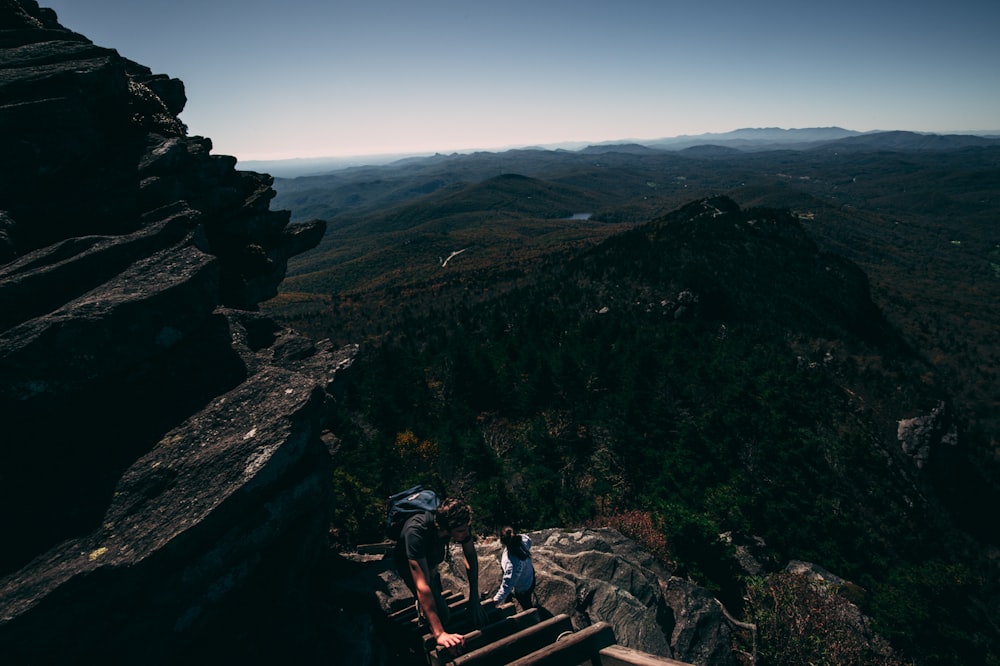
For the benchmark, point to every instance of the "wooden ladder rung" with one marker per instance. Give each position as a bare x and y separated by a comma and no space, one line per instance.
491,633
617,655
522,642
574,648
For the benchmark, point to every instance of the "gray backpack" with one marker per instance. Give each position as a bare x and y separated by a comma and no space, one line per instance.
407,503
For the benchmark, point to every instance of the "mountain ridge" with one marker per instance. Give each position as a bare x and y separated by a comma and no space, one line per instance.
745,138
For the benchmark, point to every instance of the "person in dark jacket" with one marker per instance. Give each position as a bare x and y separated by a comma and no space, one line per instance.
421,547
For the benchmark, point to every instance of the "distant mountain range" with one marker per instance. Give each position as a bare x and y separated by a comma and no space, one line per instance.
746,139
758,138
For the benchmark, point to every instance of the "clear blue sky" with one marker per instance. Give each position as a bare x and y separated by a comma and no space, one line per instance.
316,78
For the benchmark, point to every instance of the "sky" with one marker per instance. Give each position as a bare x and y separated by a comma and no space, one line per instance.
335,78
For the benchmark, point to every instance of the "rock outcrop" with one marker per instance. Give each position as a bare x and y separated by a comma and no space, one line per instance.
598,575
162,449
919,436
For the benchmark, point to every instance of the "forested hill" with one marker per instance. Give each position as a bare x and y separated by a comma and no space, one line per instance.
917,213
712,368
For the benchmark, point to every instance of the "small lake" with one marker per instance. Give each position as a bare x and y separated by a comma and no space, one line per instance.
579,216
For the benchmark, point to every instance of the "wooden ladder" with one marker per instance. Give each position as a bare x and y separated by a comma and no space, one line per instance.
519,638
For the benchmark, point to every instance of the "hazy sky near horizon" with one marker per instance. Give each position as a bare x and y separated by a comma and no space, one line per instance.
317,78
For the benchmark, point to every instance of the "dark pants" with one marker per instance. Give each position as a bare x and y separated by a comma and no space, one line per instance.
403,568
524,599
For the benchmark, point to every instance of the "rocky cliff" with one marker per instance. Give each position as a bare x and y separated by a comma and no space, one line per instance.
162,449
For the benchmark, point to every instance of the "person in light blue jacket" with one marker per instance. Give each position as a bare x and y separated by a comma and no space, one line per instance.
518,571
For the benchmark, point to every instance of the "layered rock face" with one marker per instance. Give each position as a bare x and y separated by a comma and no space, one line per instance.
161,443
597,575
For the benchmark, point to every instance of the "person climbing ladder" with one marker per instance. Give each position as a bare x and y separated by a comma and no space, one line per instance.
518,571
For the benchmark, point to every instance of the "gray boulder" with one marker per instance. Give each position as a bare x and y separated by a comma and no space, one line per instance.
598,575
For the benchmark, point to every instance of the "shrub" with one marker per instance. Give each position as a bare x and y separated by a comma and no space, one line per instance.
800,621
642,527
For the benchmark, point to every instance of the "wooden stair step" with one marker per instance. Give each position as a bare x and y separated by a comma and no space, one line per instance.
491,633
617,655
571,648
518,644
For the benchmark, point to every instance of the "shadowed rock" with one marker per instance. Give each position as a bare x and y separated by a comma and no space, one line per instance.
162,451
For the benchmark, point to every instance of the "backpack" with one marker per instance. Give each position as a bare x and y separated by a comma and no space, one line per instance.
404,504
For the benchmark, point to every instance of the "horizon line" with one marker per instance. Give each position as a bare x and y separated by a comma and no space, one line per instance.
578,144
